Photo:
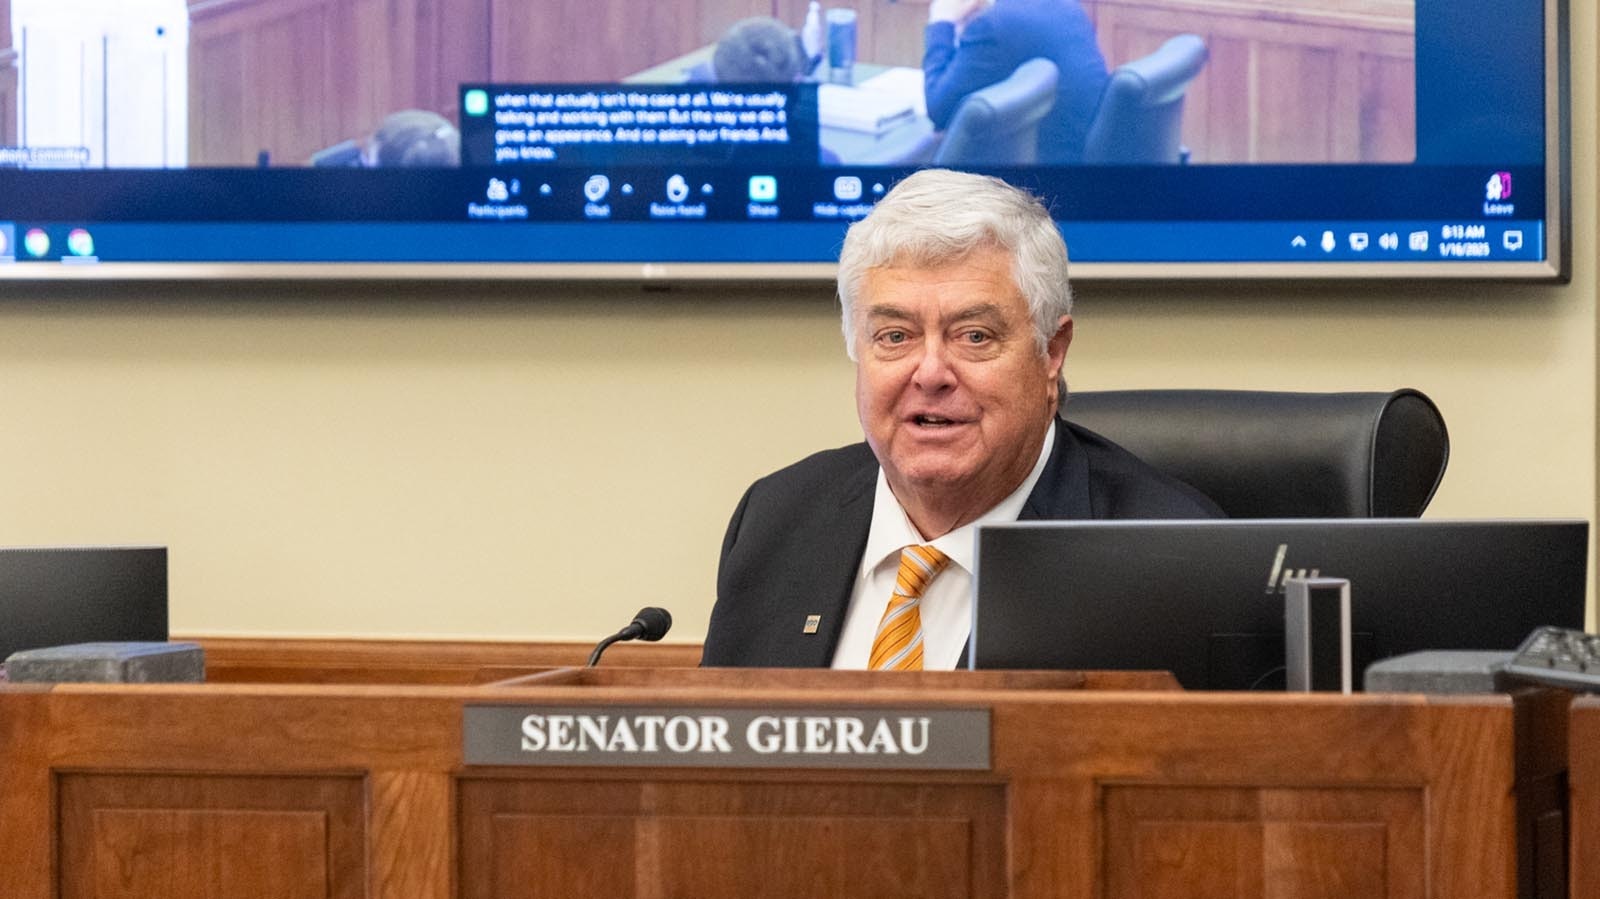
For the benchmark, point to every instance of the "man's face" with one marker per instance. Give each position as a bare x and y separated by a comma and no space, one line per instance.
952,392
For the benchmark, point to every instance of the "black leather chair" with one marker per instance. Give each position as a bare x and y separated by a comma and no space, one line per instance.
1264,454
345,154
1141,111
994,125
999,124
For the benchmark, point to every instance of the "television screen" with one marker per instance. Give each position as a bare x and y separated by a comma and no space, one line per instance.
736,139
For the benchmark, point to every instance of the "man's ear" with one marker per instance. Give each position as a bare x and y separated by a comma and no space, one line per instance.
1056,348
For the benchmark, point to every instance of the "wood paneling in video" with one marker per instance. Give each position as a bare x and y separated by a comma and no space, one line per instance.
290,77
1285,82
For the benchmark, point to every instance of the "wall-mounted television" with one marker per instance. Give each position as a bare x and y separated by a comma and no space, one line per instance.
736,139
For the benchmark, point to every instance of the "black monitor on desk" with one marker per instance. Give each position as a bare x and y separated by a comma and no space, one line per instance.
53,596
1204,599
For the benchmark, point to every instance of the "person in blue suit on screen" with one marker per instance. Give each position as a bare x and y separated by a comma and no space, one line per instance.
957,313
971,44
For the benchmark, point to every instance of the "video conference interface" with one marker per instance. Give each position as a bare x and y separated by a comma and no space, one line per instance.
1450,166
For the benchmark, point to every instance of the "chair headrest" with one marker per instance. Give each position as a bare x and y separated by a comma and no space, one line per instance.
1163,75
1027,94
999,124
1263,454
1015,104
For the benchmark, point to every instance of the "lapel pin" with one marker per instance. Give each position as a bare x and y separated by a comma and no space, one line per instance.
812,623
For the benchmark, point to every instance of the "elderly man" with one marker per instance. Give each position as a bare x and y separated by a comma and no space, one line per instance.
957,313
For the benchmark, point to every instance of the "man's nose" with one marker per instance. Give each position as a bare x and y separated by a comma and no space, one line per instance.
933,370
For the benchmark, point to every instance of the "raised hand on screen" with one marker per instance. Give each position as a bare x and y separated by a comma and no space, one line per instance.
958,11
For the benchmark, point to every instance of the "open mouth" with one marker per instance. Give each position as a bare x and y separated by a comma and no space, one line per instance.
932,421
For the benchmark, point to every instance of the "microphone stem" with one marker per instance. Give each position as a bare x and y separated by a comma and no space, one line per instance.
594,657
633,631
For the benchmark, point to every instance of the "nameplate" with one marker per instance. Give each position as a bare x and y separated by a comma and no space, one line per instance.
694,736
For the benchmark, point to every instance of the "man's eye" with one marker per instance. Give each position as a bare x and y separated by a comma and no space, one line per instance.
893,337
975,337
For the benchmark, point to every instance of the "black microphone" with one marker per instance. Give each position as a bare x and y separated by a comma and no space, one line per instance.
650,624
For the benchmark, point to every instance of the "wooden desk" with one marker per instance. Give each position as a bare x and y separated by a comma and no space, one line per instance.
351,791
1583,784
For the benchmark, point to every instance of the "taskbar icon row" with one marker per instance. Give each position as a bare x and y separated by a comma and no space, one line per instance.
812,239
600,196
46,243
1447,240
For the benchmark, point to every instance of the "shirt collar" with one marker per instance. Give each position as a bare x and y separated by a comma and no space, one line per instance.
892,530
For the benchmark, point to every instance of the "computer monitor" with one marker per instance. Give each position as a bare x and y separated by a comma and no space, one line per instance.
1204,599
53,596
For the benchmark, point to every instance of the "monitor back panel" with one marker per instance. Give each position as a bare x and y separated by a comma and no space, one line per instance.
1205,599
54,596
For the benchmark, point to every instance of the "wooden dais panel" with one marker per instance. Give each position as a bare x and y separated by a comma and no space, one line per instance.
1275,843
527,839
198,837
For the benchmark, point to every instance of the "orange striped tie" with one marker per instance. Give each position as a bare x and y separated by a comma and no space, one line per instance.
898,645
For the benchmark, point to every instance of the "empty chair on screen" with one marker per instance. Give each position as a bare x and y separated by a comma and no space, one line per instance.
1140,120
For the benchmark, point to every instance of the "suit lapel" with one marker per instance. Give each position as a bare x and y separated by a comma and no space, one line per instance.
826,592
1063,488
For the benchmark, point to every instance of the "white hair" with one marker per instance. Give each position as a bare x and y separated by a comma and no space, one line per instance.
938,217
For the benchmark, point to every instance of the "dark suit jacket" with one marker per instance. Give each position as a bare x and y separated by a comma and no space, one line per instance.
794,546
1007,35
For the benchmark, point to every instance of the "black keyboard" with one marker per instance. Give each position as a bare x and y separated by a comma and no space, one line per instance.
1560,657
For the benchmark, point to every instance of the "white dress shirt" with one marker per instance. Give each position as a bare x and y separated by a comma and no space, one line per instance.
947,601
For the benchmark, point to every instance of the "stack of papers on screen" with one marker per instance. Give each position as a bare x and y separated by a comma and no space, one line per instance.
854,109
900,81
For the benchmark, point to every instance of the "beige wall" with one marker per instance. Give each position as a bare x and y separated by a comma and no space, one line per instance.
457,462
